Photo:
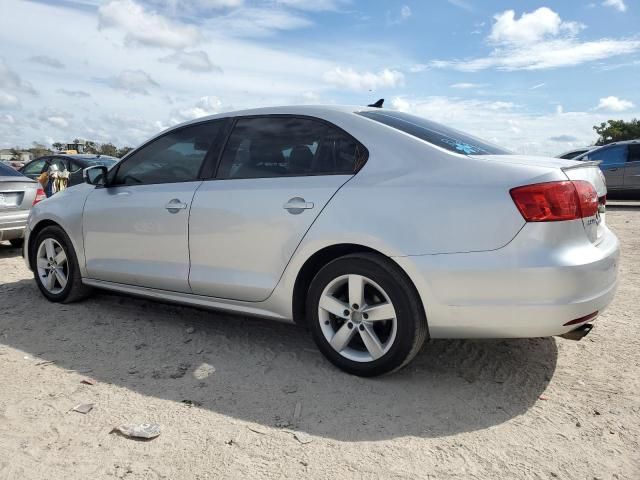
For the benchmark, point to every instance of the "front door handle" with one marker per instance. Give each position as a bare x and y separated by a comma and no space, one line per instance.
175,205
297,205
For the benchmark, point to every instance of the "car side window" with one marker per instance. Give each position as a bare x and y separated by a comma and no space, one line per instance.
74,167
634,153
282,146
34,168
60,163
610,156
174,157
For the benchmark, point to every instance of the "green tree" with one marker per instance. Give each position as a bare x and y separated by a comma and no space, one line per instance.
617,130
91,147
108,149
39,150
58,146
16,154
123,151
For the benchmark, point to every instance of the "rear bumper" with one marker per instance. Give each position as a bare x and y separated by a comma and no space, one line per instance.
529,288
12,224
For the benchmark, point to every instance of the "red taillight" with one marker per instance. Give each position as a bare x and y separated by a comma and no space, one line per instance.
556,201
40,195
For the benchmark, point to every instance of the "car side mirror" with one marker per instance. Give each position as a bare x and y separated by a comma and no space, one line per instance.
96,175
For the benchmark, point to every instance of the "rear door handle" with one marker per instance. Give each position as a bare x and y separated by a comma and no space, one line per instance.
297,205
175,205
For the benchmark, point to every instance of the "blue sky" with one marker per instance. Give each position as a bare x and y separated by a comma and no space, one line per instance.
532,76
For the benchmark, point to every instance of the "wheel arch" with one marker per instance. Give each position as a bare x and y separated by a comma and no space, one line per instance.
41,225
319,259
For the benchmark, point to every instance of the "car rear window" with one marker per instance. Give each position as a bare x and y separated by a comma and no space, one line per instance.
105,162
435,133
7,171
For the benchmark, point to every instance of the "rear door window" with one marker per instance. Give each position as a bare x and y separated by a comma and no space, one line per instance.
610,156
435,133
634,153
34,168
284,146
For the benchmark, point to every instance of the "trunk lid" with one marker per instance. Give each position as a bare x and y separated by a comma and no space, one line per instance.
16,193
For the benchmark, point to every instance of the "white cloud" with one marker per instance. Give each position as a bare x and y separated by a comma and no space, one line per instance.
56,121
257,22
132,81
353,80
195,61
7,100
539,40
405,12
145,27
208,105
74,93
530,27
461,4
12,81
467,85
47,61
537,86
313,5
614,104
617,4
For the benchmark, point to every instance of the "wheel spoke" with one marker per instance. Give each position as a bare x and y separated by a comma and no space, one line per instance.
342,337
381,311
356,290
371,341
50,248
51,281
43,263
333,305
60,258
62,278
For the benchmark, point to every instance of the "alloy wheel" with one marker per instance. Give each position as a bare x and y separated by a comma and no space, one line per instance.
52,266
357,318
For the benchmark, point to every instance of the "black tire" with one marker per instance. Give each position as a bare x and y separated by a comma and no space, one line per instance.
17,242
411,329
74,289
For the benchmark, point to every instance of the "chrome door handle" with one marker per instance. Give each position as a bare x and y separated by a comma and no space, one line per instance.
175,205
296,205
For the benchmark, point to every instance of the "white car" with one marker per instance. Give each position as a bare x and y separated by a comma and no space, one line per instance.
373,228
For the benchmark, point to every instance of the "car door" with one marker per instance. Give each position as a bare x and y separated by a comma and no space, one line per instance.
34,169
632,170
136,228
75,172
275,176
613,161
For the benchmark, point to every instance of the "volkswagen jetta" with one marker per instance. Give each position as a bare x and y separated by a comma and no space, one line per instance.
374,228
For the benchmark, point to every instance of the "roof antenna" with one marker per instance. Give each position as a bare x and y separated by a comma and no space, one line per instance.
378,104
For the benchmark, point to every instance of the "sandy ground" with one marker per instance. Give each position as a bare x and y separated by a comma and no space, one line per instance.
539,408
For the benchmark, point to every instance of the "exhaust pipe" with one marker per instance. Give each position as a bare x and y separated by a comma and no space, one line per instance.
579,333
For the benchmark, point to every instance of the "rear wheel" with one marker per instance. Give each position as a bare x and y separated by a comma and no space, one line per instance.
365,315
56,268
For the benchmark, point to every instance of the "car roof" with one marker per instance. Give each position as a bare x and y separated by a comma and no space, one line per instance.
310,110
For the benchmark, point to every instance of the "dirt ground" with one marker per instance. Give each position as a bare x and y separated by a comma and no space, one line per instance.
261,402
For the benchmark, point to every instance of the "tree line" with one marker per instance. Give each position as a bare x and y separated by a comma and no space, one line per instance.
617,131
39,150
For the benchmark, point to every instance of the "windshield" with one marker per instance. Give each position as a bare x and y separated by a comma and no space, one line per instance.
105,162
7,171
435,133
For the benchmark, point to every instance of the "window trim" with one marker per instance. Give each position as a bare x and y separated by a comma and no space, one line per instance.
365,150
205,161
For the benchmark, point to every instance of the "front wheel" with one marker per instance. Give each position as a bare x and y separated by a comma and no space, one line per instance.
55,267
365,315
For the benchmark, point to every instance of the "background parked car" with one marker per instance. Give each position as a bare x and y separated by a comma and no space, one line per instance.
575,152
73,163
17,195
620,164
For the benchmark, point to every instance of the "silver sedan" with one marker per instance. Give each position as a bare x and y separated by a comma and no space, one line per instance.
373,228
